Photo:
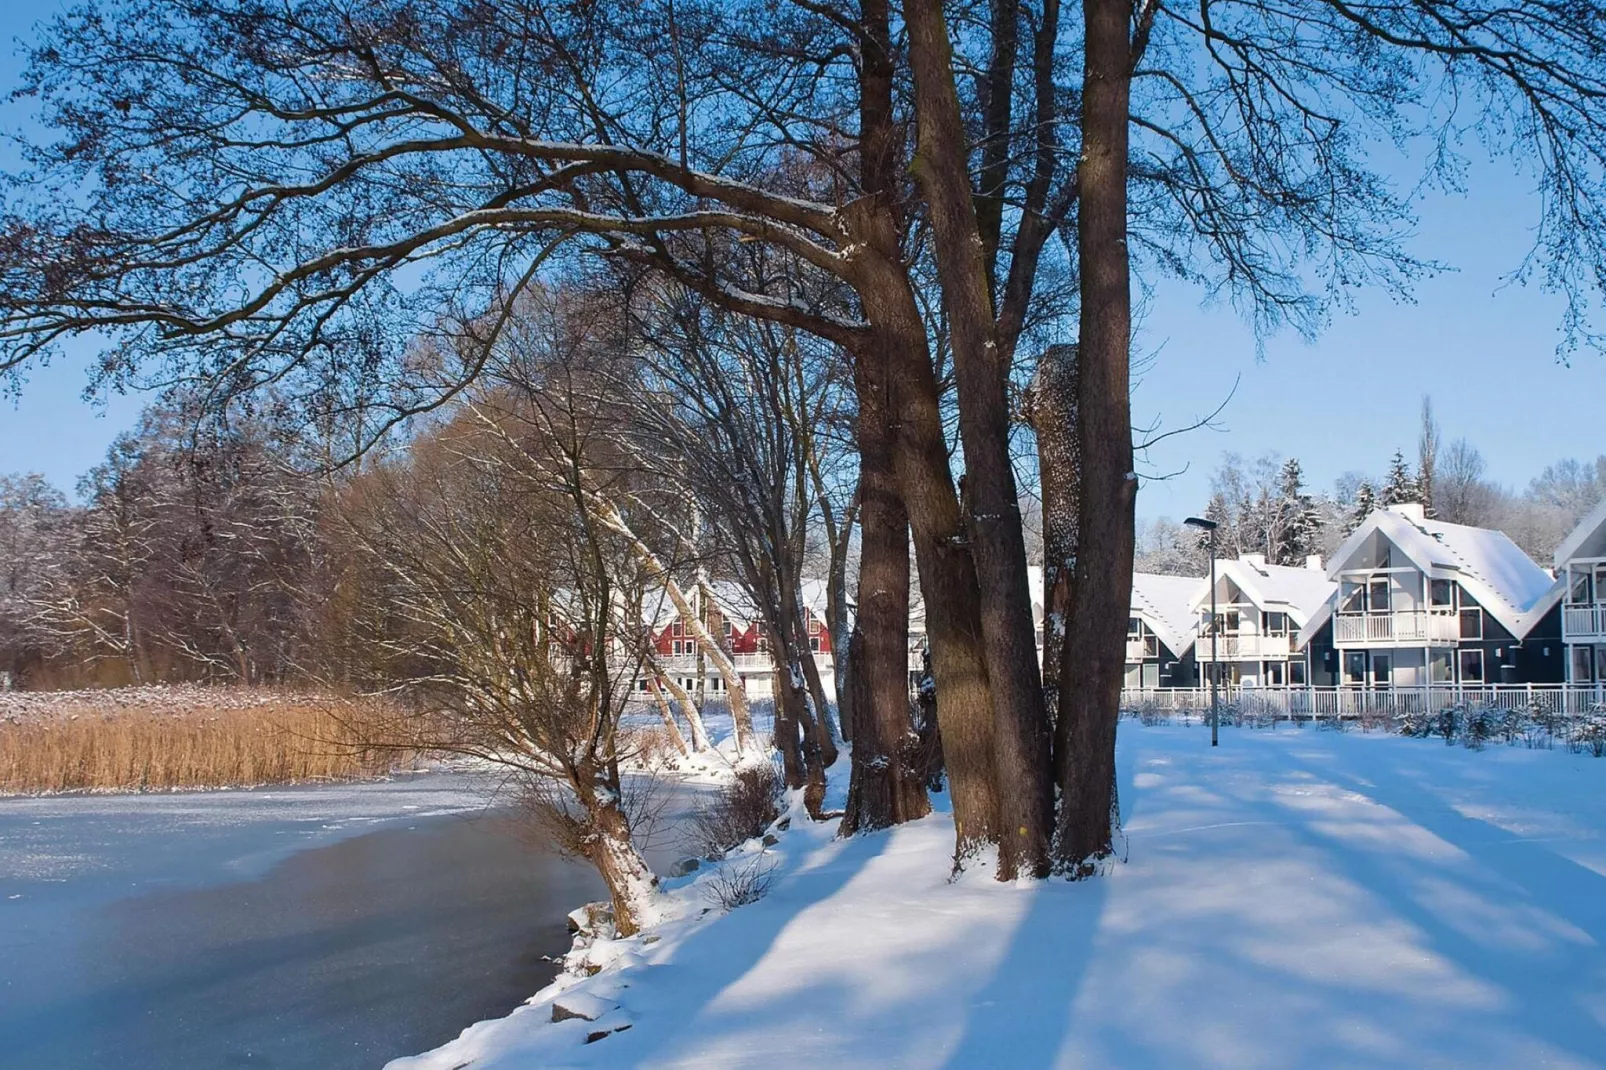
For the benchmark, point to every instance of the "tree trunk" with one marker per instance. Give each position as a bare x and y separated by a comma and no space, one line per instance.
667,716
822,707
736,694
631,884
1093,663
887,785
997,538
688,708
791,702
836,610
898,349
1052,408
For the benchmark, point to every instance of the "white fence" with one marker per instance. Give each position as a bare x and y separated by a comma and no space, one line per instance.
1299,702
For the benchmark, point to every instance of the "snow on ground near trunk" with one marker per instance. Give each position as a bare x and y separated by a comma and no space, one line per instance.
1292,899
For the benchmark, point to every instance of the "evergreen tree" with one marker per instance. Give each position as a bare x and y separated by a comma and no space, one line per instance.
1400,486
1297,521
1365,505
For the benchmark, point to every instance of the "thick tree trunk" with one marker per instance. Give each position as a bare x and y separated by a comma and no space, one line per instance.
631,884
1052,407
997,538
1094,658
898,349
887,785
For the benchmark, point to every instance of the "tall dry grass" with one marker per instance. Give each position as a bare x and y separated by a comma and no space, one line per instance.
199,738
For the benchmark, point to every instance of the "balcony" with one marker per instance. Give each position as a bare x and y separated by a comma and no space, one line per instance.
1390,629
1583,622
1139,649
1245,647
686,664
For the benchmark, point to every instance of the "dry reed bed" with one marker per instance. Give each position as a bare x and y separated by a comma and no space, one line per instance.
155,739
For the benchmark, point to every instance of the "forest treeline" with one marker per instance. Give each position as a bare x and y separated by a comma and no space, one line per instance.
1265,507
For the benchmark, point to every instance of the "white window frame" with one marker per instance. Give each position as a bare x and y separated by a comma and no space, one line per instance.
1460,666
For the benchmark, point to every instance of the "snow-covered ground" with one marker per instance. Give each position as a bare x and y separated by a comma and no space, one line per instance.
1296,898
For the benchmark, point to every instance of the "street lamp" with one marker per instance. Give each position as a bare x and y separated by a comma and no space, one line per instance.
1215,667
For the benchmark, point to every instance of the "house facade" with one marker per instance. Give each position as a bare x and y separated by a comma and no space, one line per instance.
725,610
1161,650
1418,602
1260,610
1581,595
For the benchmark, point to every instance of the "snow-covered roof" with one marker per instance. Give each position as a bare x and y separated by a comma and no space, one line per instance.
1301,592
1505,581
1162,602
1588,539
1166,605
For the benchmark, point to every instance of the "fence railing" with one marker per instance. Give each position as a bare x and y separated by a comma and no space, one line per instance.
1583,621
1566,699
1409,625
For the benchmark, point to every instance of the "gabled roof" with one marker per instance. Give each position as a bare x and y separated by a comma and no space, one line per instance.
1587,528
1505,581
1162,602
1166,604
1299,592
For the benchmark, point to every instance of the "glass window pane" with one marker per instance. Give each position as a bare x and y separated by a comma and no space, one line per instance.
1134,675
1600,663
1296,672
1578,591
1381,664
1355,667
1472,624
1583,665
1443,594
1379,596
1134,627
1440,668
1472,666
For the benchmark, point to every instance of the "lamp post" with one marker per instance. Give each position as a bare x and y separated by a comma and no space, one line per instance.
1209,526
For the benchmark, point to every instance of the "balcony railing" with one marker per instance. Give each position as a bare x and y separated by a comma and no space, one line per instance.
686,664
1405,626
1244,647
1587,622
1346,702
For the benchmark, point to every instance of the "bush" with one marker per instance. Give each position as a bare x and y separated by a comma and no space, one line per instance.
1479,726
743,809
1590,732
739,883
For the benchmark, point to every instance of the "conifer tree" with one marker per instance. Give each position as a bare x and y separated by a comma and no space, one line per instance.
1365,505
1400,487
1297,522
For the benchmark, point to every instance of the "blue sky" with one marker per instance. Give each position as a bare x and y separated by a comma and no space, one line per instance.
1486,352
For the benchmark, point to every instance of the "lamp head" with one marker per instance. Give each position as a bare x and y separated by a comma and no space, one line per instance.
1201,523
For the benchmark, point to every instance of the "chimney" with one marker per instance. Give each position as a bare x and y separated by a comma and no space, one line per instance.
1412,511
1258,560
1314,563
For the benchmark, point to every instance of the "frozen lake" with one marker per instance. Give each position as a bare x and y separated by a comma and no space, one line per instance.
324,927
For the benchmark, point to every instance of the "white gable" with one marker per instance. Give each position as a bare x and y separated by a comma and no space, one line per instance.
1588,539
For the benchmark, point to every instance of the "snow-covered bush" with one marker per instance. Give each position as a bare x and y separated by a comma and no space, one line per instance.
1589,732
1416,722
1448,722
1479,725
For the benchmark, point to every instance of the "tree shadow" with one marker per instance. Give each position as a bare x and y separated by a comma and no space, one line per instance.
1492,913
1027,1007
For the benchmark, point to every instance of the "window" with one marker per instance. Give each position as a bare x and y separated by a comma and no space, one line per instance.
1276,623
1274,674
1355,667
1296,673
1382,666
1471,666
1151,674
675,629
1472,623
1134,627
1441,668
1377,596
1584,664
675,646
814,643
1134,674
1151,646
1600,663
1600,584
1442,594
1354,599
1578,592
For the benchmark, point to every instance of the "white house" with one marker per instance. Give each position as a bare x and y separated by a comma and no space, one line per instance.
1423,602
1260,609
1160,634
1581,586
